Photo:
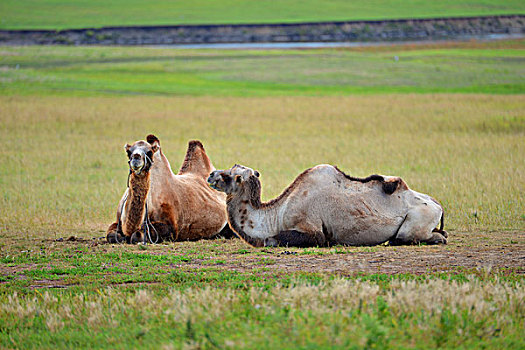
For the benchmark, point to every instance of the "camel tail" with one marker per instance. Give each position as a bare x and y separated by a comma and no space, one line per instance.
442,224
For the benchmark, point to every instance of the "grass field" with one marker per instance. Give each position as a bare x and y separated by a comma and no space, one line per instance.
65,114
60,14
68,167
495,67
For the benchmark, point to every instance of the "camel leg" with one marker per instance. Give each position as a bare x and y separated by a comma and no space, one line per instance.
419,227
442,232
113,236
293,238
158,231
226,232
162,230
136,237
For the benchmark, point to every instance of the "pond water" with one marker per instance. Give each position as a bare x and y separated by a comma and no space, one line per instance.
317,45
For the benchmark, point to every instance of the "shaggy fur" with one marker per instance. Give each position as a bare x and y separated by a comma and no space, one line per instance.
138,191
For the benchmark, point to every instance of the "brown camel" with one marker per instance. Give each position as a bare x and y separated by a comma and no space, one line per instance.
159,205
324,206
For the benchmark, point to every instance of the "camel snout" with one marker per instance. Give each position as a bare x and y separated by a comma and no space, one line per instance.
211,179
136,156
136,164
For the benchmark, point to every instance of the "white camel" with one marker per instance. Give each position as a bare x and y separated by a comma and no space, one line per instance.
324,206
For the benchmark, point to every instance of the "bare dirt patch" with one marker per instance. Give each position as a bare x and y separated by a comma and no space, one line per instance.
48,284
416,260
503,251
484,251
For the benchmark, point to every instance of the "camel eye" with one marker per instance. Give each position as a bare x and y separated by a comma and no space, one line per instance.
150,154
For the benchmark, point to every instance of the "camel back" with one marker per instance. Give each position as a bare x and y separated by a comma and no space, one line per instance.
196,160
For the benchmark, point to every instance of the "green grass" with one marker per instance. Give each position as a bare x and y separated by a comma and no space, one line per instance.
471,67
60,14
327,313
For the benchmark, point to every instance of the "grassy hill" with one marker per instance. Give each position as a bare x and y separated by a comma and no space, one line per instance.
61,14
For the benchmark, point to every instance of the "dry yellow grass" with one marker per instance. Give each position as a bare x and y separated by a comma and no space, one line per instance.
64,167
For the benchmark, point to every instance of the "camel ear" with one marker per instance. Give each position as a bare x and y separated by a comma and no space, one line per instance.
127,146
256,173
238,179
154,142
152,139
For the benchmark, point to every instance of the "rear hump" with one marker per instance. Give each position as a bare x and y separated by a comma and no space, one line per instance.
196,160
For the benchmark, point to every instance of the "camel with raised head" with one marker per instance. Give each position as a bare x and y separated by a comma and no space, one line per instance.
160,205
324,206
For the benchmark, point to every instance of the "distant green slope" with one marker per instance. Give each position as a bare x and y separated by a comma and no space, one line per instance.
497,67
61,14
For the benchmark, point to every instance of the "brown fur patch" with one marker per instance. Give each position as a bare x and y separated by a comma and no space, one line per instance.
166,214
135,205
112,228
112,234
357,213
165,231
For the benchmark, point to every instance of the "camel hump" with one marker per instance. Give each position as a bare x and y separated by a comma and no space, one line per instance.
196,160
391,184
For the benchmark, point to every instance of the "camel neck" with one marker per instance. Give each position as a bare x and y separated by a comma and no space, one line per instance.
161,165
252,223
135,205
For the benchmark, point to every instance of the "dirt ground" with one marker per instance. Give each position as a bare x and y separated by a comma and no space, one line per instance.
504,252
466,252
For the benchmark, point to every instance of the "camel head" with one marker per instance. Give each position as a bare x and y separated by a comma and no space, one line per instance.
140,154
231,180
